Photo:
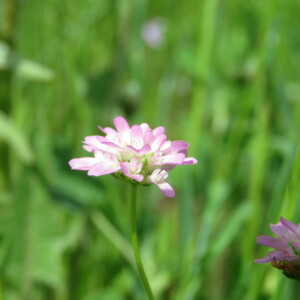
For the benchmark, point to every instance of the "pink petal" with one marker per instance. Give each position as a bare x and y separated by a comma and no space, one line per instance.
166,189
145,127
166,146
172,159
113,145
97,142
279,256
183,152
107,158
108,147
135,164
179,145
125,166
137,140
145,149
121,124
93,139
289,225
92,143
278,229
88,148
83,163
159,140
141,151
102,169
157,174
189,161
272,242
149,137
158,131
103,139
263,260
108,130
157,177
169,167
283,232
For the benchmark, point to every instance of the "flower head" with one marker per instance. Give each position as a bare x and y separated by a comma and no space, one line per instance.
287,248
153,33
138,154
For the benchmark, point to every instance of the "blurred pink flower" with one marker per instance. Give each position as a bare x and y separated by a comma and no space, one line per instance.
153,33
137,154
287,248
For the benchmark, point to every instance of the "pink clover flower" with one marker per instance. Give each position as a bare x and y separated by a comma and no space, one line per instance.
138,154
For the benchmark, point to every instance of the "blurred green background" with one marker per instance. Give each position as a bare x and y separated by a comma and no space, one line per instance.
222,75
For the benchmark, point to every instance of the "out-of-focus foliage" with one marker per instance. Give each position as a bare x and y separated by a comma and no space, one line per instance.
223,75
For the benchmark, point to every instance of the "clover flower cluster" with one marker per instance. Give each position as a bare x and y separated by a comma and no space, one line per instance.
287,248
138,154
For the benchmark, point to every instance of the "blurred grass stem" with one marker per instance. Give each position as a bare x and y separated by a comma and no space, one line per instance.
136,245
9,11
114,236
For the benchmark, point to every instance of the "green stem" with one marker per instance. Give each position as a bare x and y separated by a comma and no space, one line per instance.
136,245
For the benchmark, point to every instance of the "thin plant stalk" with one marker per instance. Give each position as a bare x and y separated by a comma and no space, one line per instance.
136,245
